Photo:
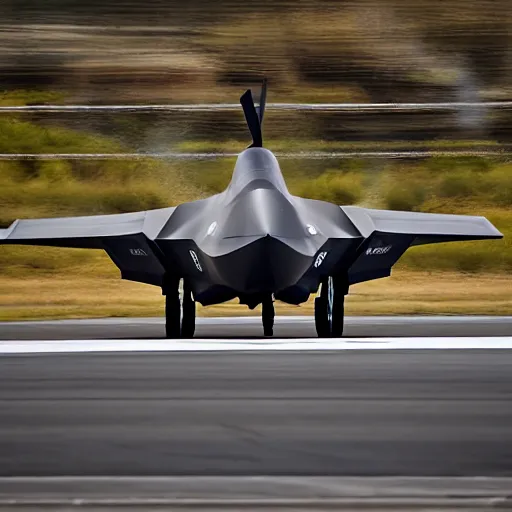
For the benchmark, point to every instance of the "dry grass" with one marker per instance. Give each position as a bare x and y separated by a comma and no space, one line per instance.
78,296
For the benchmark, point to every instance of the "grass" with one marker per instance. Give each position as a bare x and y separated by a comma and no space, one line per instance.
83,296
59,191
38,283
333,186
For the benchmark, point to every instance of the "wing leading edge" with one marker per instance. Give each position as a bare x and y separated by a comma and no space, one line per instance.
425,228
88,232
388,234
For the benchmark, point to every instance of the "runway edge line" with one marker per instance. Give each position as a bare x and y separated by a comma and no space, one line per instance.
236,345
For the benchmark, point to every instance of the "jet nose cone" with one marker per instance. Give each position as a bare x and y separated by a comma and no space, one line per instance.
264,273
269,265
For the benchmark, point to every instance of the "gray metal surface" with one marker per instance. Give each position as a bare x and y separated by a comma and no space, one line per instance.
422,413
250,327
426,227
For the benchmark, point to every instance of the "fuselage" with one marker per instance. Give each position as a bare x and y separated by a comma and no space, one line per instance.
255,237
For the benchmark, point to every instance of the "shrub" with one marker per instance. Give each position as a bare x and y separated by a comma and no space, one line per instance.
11,171
462,257
334,187
15,260
132,199
460,184
498,184
55,171
407,197
213,176
461,163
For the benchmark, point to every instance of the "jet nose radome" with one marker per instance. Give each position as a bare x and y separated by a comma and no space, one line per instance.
264,265
263,243
275,266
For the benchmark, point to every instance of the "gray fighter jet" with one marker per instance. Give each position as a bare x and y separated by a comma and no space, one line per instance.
255,241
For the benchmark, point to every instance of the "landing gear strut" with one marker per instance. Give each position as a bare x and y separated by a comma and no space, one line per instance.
180,314
267,316
330,307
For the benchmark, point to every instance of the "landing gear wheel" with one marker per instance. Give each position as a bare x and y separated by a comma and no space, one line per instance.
188,323
321,322
330,309
172,315
180,315
267,316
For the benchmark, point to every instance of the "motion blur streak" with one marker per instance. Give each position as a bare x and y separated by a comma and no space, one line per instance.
315,155
339,107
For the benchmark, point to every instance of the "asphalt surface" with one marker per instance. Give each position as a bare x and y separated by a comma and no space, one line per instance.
256,493
406,413
250,327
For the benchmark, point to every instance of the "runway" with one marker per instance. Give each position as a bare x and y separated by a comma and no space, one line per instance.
252,494
337,413
250,327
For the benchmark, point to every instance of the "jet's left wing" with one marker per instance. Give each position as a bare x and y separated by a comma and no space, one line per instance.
388,234
88,232
126,237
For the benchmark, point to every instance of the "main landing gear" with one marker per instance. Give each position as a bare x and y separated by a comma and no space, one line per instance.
180,313
330,307
267,316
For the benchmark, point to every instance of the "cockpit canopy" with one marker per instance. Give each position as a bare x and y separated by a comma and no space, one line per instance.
256,164
257,201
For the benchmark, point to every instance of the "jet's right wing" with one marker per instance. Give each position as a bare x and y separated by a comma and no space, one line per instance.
426,228
388,234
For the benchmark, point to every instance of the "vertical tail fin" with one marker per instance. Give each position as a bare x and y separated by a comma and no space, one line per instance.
254,115
263,100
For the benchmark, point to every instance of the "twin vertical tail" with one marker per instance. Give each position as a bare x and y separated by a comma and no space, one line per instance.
254,115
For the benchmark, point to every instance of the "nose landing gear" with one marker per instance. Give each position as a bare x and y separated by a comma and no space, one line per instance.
330,307
267,316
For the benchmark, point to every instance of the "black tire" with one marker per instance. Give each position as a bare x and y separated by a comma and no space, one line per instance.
330,309
188,322
267,316
172,316
338,316
321,321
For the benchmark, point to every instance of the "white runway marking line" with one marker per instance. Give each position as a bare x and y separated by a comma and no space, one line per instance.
253,320
234,345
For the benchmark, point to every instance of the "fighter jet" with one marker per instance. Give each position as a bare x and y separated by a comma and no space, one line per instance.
255,242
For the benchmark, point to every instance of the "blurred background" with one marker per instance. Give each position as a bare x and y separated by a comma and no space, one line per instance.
156,52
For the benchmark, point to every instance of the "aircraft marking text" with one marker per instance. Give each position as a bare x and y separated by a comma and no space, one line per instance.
195,259
375,251
138,252
320,258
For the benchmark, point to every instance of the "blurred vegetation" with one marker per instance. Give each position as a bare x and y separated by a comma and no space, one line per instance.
39,188
96,52
382,50
201,51
311,51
